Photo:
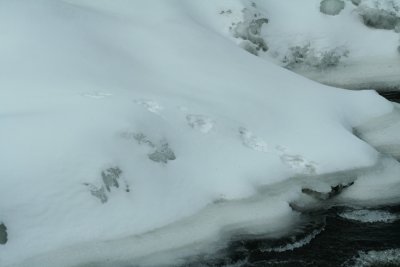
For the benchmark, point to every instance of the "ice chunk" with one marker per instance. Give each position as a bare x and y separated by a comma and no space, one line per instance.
369,216
390,257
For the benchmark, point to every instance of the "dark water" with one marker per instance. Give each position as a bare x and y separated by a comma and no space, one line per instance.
337,241
325,239
391,95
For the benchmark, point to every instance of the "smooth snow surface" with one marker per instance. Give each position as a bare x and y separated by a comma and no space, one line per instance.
135,128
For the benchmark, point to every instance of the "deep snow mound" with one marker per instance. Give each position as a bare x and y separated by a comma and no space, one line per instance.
129,131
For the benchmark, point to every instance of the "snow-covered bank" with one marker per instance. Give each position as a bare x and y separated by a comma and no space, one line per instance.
129,128
349,44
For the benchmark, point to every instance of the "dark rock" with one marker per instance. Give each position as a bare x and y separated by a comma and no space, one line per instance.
335,190
3,234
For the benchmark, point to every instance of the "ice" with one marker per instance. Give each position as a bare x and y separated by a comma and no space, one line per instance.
99,160
390,257
369,216
298,244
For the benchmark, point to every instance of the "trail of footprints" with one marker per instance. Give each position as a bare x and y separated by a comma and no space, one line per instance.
110,179
160,151
163,153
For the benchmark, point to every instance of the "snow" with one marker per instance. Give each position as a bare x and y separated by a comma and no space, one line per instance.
372,58
208,138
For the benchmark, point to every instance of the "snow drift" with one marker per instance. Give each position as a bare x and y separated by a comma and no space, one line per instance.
129,129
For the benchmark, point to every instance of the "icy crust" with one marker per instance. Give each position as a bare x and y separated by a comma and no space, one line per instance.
298,244
390,257
369,216
121,139
267,213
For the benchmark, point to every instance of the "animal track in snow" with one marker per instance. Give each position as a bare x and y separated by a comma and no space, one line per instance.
151,105
200,123
252,141
295,161
161,151
299,163
110,179
97,95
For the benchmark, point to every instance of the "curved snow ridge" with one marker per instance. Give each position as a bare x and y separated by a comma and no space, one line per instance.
202,232
266,213
369,216
390,257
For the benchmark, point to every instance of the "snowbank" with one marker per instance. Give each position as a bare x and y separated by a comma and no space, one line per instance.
132,128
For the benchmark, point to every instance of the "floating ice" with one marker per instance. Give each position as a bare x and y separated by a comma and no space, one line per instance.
369,216
298,244
390,257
